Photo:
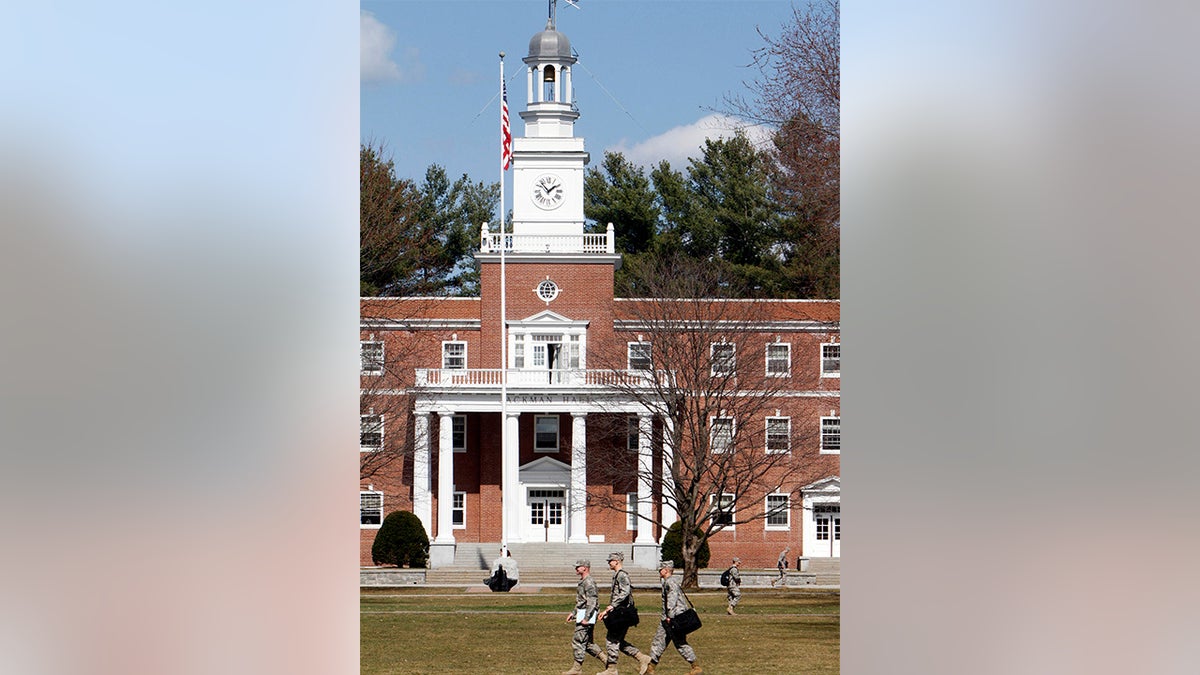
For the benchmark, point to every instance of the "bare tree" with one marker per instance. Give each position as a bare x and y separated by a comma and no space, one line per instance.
707,382
798,93
391,344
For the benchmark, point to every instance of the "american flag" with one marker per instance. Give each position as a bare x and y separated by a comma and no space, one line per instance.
505,134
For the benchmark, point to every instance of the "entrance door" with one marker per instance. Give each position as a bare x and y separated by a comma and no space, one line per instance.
546,516
828,519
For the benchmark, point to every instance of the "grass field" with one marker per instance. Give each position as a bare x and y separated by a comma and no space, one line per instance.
444,630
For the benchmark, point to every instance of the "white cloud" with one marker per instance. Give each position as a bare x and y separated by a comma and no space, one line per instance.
376,63
678,144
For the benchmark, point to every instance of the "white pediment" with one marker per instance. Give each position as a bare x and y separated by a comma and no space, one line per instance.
547,319
545,471
825,486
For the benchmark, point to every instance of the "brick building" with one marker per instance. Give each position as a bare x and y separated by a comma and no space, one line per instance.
564,444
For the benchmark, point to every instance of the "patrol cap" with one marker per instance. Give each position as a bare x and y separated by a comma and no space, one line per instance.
666,565
616,555
737,561
583,563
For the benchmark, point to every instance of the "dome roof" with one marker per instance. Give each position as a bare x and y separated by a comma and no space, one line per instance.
550,44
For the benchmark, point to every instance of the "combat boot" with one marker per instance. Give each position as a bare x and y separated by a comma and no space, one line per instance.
650,669
576,669
610,670
695,669
644,665
729,610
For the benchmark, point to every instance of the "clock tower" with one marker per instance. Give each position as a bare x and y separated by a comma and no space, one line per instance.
548,161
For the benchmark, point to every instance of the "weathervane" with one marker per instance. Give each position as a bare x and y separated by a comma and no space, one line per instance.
551,19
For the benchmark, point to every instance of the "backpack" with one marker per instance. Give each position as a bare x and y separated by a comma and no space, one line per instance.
725,577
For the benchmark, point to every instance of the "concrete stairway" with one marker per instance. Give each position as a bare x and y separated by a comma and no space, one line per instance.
539,564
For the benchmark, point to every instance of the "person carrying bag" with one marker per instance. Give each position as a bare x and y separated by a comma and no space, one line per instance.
619,616
678,619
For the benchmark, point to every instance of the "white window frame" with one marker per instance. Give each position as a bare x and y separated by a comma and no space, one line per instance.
732,361
786,511
362,428
557,434
712,434
446,357
714,508
456,419
767,435
838,372
361,524
787,371
633,433
834,420
457,499
631,517
370,366
648,358
518,351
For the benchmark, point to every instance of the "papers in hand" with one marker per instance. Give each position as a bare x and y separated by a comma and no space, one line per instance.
580,618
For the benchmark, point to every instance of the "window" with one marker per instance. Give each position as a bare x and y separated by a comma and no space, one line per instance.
631,504
371,357
370,509
458,511
831,360
639,355
779,434
454,355
722,510
458,433
573,352
777,512
518,351
370,433
545,433
779,359
724,358
633,432
721,436
831,435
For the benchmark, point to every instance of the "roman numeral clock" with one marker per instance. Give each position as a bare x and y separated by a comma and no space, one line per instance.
547,191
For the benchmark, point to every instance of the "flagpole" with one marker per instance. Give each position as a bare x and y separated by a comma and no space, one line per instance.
505,479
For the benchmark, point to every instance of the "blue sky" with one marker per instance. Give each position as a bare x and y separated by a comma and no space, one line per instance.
650,79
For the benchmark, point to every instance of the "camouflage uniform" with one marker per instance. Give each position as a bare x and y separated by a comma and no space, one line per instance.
673,604
734,591
614,640
587,599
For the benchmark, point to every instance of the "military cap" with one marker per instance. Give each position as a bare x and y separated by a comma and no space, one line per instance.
616,555
583,563
666,565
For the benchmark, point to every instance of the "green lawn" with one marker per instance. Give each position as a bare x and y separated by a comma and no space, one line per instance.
435,630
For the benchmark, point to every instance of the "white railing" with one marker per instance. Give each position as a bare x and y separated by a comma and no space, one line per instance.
489,242
491,377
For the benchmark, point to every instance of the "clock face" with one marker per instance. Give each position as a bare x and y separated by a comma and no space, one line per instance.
547,191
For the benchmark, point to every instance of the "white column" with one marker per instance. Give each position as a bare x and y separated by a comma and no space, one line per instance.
577,502
422,497
645,486
445,522
530,71
566,75
514,501
668,483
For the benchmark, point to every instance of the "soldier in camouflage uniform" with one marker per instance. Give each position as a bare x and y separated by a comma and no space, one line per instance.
586,599
614,639
673,604
734,590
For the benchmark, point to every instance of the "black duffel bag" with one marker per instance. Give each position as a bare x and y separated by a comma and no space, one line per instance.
685,622
624,616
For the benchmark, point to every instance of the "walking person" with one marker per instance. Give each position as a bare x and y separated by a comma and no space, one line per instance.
781,565
584,616
614,637
673,604
734,590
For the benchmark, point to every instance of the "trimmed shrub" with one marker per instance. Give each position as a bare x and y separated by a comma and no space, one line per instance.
672,547
401,540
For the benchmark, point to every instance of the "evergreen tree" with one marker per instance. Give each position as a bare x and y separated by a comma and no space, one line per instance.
621,194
